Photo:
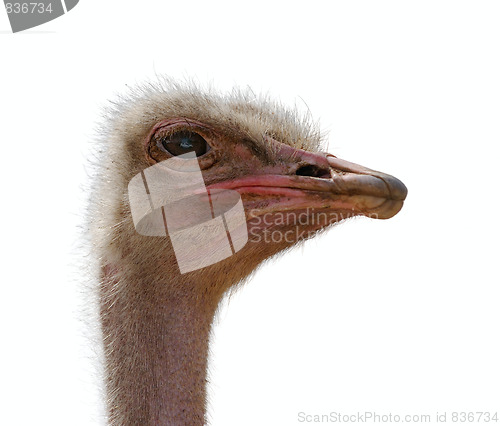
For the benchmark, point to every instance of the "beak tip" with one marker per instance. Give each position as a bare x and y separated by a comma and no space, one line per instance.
397,189
394,203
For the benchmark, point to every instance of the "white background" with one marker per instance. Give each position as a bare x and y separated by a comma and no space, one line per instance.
397,316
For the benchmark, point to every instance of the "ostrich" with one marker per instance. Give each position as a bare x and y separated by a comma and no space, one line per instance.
156,319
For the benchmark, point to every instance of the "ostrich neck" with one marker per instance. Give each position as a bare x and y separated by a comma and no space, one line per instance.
156,349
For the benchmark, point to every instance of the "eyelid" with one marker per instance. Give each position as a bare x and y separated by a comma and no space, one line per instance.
187,134
183,126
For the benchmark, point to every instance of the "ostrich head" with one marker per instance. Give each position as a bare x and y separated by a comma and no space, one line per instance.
156,320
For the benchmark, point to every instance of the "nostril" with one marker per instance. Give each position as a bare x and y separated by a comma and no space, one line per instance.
313,171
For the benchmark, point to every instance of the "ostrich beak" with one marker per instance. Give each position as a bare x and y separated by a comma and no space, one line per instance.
351,178
319,181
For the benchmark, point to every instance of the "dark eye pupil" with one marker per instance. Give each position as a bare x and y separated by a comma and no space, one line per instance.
183,142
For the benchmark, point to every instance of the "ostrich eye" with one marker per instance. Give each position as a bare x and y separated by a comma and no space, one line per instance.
183,142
